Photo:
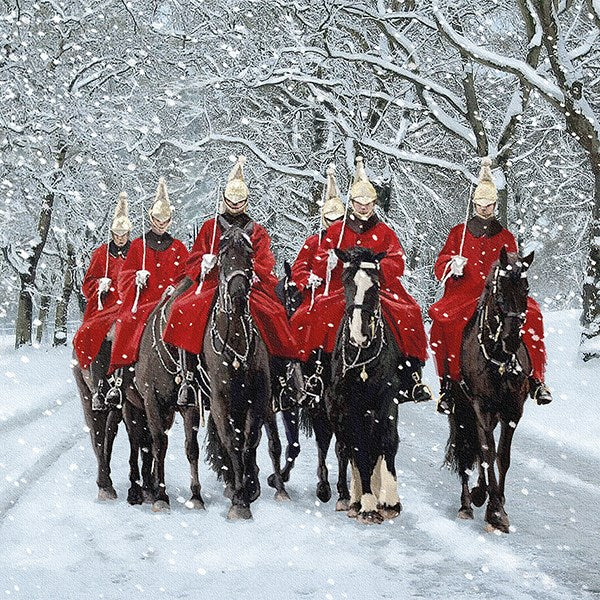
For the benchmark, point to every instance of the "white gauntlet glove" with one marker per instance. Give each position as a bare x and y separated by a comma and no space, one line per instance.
104,285
314,281
141,278
208,263
332,260
457,265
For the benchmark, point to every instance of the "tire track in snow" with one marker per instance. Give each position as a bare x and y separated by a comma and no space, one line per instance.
35,414
29,478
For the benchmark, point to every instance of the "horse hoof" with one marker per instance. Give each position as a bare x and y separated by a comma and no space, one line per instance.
496,521
271,480
161,506
324,491
237,513
282,496
465,513
478,496
107,494
195,504
353,510
390,512
148,496
372,517
342,505
135,495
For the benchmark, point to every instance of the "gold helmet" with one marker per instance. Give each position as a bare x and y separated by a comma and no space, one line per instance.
121,223
485,192
362,190
161,208
333,207
236,189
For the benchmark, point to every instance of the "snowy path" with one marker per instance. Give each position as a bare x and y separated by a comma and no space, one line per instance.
59,542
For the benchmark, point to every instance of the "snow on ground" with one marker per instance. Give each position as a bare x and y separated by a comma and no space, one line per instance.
58,541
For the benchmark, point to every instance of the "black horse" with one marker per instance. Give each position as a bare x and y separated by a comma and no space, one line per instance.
312,416
370,378
156,390
238,368
494,368
103,425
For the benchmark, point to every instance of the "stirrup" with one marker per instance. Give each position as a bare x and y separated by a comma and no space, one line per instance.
421,392
114,396
542,394
445,406
187,395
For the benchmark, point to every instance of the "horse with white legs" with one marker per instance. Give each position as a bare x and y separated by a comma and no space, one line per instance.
370,378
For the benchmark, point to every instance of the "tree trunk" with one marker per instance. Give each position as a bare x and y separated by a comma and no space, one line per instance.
42,317
62,306
23,326
590,317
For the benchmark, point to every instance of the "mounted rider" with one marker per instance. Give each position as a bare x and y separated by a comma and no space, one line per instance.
190,312
364,228
463,265
100,290
155,263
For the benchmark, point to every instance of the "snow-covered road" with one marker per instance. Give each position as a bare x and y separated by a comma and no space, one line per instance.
58,541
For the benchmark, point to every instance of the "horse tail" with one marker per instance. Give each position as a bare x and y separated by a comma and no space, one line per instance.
462,448
216,454
306,423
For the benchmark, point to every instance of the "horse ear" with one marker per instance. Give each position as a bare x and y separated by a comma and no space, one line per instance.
503,257
342,255
527,260
380,256
288,269
249,228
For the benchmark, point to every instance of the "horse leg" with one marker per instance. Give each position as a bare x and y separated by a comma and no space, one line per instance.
389,501
96,423
479,492
251,482
495,515
341,450
275,480
323,435
368,471
134,495
504,444
240,508
160,440
191,423
290,423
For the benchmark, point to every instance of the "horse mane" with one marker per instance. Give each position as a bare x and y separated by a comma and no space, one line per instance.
359,254
514,261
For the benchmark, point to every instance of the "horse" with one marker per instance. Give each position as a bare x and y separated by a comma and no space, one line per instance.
370,377
103,425
156,388
238,368
311,417
493,389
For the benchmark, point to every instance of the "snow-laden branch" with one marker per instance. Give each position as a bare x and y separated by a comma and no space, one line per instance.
504,63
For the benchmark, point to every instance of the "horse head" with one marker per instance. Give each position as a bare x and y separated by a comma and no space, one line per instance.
360,278
509,289
235,266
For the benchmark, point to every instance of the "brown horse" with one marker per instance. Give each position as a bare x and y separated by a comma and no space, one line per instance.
494,368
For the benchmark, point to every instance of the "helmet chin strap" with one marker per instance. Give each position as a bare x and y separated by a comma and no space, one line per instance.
231,209
363,217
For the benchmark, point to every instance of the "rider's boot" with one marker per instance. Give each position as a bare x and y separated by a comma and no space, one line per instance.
539,391
421,391
114,396
98,397
187,394
445,402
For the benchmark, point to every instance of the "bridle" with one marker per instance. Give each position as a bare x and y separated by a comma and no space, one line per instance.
510,364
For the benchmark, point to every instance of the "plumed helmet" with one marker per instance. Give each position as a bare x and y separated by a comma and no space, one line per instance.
236,189
161,209
362,190
485,192
333,207
121,223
